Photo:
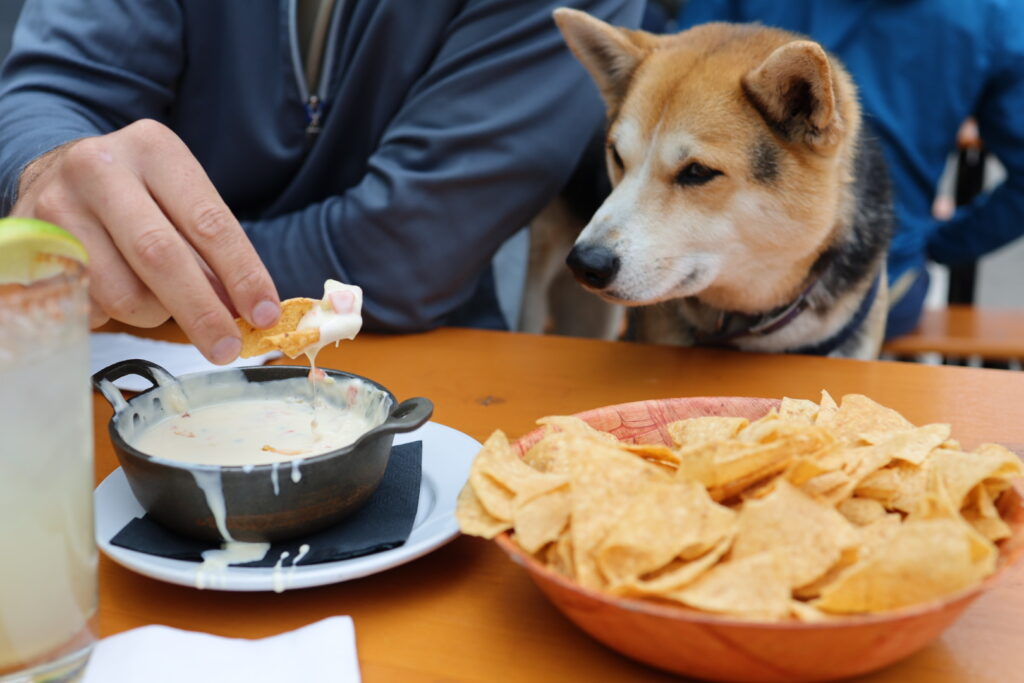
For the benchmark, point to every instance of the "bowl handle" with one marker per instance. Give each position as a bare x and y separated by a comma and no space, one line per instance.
408,415
104,379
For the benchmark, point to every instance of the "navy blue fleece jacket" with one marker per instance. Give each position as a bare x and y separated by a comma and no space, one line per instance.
445,126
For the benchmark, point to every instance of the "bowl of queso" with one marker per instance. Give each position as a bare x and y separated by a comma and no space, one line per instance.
259,454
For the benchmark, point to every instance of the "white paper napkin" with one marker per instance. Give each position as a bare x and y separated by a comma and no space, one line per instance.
178,359
324,652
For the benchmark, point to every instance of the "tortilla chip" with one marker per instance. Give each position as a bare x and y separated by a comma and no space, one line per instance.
604,481
726,468
539,520
552,453
827,408
474,519
923,560
847,558
861,511
897,487
502,481
830,486
798,409
981,512
559,556
810,534
801,611
911,445
754,586
283,335
574,425
858,414
674,576
655,453
961,471
699,430
856,463
665,520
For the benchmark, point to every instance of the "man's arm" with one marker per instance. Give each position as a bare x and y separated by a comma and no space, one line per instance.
77,149
997,219
487,135
79,69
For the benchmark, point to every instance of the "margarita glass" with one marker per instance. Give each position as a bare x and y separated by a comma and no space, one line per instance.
48,593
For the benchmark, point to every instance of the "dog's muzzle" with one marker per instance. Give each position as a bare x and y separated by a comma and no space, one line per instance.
593,265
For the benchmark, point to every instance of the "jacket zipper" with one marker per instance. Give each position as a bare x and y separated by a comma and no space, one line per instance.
314,104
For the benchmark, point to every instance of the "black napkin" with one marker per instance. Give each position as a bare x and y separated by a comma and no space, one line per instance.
382,524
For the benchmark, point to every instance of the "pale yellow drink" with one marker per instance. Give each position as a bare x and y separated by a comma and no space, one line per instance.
47,549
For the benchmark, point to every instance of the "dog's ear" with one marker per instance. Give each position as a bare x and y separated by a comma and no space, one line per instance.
610,54
795,91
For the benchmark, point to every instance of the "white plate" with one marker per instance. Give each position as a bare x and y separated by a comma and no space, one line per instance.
447,455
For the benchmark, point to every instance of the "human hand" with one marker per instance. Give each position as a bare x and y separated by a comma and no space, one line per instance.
161,241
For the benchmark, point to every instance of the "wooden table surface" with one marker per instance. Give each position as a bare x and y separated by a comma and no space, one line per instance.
465,612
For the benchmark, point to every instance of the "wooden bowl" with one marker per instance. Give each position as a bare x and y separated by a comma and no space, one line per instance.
704,645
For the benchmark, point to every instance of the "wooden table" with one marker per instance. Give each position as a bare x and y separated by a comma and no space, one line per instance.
465,612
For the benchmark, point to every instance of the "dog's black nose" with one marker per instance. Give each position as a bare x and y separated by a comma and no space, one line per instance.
593,265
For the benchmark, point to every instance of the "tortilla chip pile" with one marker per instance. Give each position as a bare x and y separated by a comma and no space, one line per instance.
283,336
811,511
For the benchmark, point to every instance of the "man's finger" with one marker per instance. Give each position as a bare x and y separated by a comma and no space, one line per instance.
187,196
113,286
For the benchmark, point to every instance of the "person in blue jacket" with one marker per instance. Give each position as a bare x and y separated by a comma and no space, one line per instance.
215,155
923,67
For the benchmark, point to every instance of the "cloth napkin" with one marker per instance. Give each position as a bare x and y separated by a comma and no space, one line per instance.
107,348
324,651
383,523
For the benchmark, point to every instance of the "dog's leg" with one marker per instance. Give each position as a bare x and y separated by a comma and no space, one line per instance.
873,332
552,233
578,313
552,300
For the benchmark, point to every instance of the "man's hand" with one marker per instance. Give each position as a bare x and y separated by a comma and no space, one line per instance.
161,241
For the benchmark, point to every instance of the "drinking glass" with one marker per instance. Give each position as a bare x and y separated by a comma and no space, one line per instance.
48,589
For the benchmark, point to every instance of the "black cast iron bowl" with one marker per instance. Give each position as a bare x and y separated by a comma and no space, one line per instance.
332,485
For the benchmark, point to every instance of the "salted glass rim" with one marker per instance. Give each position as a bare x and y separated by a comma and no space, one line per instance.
72,274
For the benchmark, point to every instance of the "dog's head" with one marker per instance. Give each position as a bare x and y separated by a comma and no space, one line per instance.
730,151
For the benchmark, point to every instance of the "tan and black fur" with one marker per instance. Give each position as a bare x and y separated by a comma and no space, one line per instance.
743,181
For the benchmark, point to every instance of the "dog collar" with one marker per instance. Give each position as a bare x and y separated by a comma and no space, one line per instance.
823,348
786,314
767,323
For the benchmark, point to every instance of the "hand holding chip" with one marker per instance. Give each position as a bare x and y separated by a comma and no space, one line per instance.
161,240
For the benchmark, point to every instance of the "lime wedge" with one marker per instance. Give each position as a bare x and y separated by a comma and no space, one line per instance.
27,246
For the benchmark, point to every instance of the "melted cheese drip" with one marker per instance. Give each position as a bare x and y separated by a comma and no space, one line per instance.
333,326
231,552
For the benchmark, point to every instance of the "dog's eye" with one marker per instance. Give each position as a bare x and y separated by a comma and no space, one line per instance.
695,173
615,156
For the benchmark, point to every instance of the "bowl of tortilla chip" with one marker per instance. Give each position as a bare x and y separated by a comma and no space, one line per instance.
750,539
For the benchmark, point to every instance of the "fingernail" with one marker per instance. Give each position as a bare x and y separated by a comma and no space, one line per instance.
265,314
226,350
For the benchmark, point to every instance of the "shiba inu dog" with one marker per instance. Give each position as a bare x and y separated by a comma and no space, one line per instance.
749,206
